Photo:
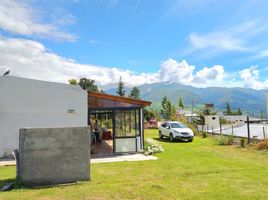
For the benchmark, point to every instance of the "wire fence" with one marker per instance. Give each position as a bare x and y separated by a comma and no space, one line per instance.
246,130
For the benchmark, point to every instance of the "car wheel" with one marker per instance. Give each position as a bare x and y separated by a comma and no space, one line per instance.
160,135
171,138
190,140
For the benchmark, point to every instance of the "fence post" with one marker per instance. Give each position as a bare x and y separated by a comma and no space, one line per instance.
248,129
212,131
232,129
220,129
263,131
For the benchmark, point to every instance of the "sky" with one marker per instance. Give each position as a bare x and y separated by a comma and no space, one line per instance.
202,43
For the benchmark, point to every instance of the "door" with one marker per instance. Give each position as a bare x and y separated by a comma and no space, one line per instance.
127,132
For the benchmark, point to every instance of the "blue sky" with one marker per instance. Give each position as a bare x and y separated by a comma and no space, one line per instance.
196,42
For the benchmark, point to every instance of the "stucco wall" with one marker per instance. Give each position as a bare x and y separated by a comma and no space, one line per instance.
54,155
37,104
212,121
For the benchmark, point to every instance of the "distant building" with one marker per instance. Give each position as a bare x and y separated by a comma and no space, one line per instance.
212,121
235,118
266,104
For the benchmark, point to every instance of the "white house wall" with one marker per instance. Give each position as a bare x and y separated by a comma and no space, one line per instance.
37,104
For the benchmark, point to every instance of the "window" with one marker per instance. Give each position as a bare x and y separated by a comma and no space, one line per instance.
213,118
177,125
127,123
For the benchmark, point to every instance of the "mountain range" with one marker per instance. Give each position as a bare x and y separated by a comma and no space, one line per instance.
250,101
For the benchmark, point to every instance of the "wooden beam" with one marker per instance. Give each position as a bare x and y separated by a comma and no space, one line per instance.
120,99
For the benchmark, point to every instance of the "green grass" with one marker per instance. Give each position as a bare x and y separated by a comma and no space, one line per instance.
197,170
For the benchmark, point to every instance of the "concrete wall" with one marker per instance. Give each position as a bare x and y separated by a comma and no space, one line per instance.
37,104
212,121
236,118
54,155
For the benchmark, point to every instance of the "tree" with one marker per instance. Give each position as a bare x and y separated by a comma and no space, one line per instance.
102,91
121,88
228,109
88,84
135,93
73,81
180,104
148,114
202,113
239,112
168,110
262,115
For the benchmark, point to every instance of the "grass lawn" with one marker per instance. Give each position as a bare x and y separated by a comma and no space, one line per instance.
197,170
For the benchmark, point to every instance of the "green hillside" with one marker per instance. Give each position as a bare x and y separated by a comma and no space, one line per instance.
249,100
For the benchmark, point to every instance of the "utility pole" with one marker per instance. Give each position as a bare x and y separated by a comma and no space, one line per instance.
248,127
192,112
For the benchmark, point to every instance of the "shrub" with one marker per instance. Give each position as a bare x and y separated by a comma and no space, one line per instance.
152,147
204,134
224,140
243,142
262,145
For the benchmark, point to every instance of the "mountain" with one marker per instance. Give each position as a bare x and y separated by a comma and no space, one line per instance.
249,100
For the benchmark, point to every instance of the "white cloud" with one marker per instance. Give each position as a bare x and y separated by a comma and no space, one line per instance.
92,41
217,40
233,39
174,71
262,54
20,18
251,76
215,73
30,59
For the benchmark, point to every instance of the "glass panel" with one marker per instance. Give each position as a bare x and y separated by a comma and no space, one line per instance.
126,123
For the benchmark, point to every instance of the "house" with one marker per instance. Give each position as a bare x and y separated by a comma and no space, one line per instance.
27,103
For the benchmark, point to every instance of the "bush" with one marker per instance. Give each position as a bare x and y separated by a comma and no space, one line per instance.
152,147
204,134
224,140
262,145
243,142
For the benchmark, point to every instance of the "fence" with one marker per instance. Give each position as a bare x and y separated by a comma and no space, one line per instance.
257,129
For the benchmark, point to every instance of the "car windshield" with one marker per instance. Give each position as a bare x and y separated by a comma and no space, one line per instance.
177,125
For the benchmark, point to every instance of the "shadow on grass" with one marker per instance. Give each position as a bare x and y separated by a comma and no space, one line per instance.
167,140
12,184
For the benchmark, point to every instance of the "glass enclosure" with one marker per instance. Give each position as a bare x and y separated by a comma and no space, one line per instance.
127,123
126,118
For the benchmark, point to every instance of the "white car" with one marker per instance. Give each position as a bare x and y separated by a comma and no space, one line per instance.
176,130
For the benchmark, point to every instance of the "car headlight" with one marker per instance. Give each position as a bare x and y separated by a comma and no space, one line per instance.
177,132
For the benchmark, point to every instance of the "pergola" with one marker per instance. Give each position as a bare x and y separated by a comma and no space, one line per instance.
127,119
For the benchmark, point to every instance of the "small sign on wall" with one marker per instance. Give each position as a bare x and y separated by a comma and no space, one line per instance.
71,111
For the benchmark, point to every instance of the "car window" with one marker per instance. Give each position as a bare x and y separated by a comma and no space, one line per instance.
177,125
164,125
